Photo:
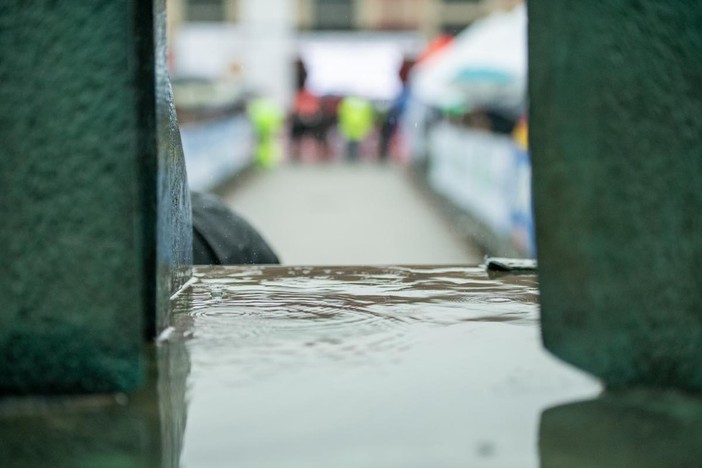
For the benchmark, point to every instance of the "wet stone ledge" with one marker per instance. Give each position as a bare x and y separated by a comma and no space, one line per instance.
321,366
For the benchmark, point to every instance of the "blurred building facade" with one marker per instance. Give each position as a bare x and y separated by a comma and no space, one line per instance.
252,43
431,17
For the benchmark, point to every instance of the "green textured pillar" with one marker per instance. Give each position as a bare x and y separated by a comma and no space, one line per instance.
616,139
94,208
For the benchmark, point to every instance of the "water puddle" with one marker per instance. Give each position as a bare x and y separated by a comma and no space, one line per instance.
365,366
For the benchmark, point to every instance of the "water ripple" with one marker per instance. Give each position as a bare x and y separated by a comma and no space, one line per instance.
263,319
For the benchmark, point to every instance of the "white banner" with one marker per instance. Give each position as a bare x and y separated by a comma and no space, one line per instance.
216,150
487,176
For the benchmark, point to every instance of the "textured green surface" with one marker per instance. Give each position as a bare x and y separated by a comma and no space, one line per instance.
93,201
72,279
616,138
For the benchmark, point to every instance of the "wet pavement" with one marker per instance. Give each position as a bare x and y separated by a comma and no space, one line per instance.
349,214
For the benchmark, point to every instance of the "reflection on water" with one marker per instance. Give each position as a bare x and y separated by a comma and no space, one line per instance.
637,429
173,370
84,431
367,366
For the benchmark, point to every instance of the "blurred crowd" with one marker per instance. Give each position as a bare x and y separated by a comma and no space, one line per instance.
367,103
330,127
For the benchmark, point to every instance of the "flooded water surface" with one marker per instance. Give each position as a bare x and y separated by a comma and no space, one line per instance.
362,366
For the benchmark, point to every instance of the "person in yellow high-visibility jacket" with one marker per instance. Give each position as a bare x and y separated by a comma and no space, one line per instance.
267,118
355,122
521,134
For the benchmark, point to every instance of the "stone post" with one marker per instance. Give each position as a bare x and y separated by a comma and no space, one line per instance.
616,140
94,206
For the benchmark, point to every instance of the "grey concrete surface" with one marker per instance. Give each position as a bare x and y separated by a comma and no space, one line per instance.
339,214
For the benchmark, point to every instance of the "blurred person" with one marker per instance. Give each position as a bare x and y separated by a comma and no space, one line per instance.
476,119
501,122
491,120
388,131
306,124
307,119
521,133
356,119
267,118
330,121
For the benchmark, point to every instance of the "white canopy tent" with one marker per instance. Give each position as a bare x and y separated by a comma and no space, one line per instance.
486,66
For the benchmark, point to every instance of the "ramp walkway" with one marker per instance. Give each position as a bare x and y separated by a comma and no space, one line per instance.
346,214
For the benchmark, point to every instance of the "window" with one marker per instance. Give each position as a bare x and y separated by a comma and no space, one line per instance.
205,10
400,14
335,14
